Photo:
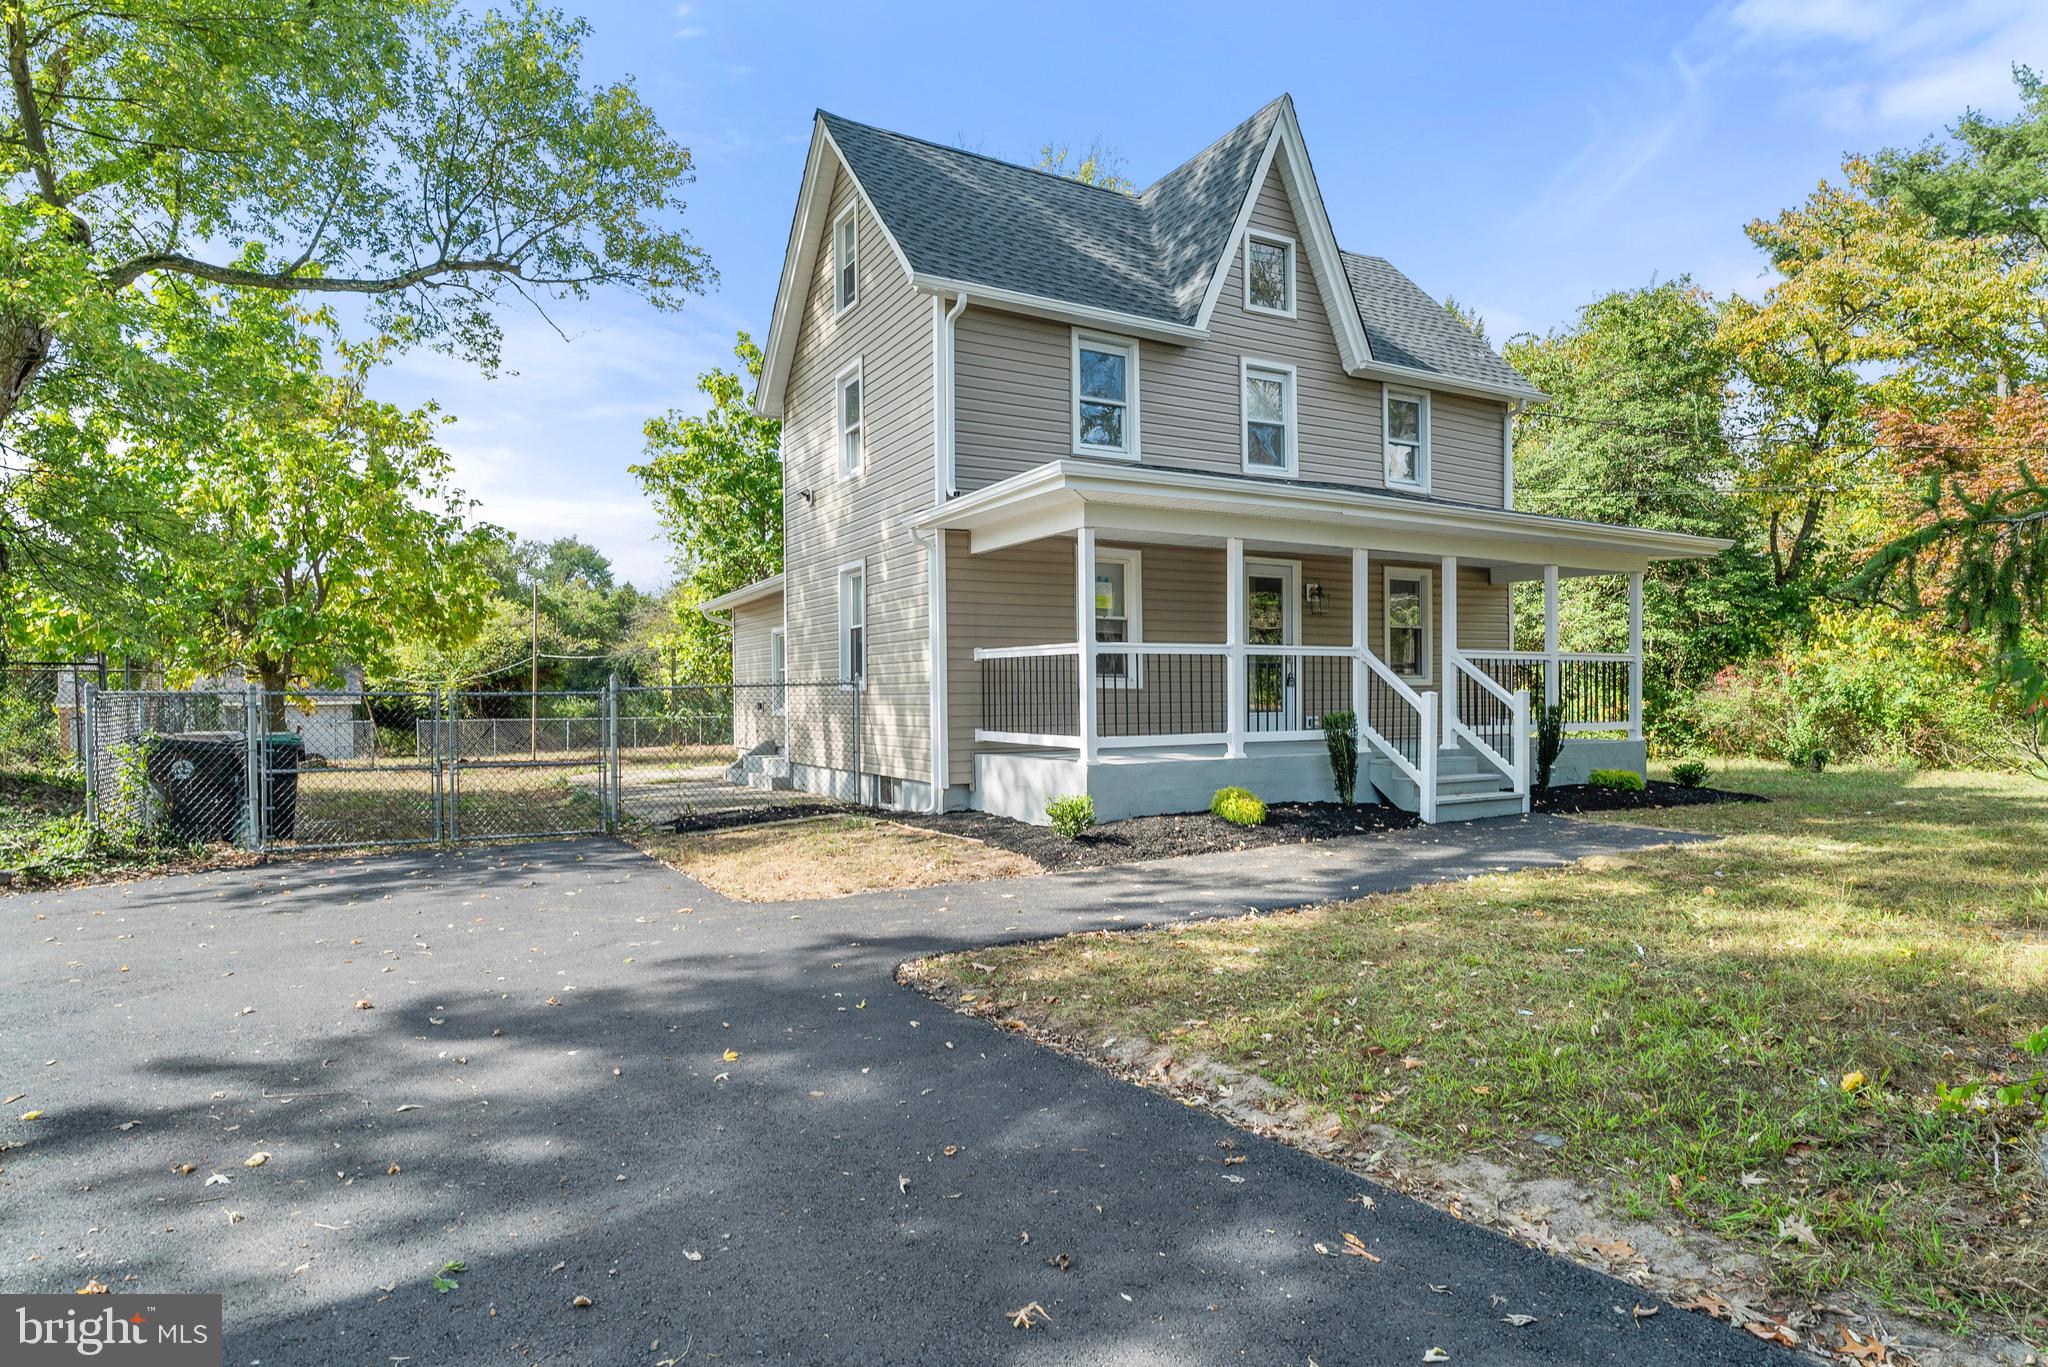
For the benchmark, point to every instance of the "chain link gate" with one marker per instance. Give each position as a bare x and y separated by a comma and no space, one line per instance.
346,770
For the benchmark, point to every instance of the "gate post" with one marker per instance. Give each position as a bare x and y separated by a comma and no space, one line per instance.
434,759
613,776
254,763
90,753
859,789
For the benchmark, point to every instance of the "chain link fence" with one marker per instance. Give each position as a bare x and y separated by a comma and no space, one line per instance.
393,767
42,714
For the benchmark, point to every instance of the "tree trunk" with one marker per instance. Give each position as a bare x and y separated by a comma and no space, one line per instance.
25,346
271,675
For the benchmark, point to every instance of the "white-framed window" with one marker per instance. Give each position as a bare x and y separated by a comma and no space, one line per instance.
1270,438
1407,428
845,262
1269,273
849,402
853,623
778,670
1405,634
1105,395
1119,614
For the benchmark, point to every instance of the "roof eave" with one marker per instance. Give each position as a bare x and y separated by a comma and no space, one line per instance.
1452,384
1060,310
740,597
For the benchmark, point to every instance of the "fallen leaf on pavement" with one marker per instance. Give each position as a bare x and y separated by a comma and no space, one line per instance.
1355,1246
1063,1261
581,1302
366,1005
391,1171
1614,1250
1518,1321
1862,1349
1710,1304
31,1115
693,1255
94,1287
1643,1312
1029,1316
1436,1355
731,1056
256,1159
218,1179
1772,1332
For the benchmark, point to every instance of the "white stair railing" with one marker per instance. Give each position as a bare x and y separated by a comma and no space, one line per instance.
1421,708
1510,709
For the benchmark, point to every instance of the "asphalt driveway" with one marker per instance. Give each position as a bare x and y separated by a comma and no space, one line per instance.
723,1124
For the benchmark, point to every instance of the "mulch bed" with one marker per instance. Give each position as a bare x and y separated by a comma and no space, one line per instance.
1572,799
1142,838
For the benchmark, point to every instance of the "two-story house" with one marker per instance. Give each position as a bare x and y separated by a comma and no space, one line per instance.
1114,493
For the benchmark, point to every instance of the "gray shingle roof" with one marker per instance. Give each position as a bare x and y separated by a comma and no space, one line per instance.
1406,327
959,215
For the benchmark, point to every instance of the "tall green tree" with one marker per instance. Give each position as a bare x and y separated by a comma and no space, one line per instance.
1633,433
1098,164
325,523
1988,179
434,162
716,482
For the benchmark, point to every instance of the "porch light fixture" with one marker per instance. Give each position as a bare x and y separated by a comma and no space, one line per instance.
1312,594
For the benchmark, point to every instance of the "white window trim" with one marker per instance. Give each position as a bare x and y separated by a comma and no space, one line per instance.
852,567
1388,574
1245,366
1133,561
1422,461
778,670
1103,341
848,219
1286,244
839,427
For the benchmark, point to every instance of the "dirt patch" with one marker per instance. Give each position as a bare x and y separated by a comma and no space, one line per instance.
831,856
1571,799
1691,1268
1142,838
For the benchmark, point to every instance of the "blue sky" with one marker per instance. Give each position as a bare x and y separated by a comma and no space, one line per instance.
1522,158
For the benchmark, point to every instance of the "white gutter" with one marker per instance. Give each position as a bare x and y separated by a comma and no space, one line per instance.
1038,305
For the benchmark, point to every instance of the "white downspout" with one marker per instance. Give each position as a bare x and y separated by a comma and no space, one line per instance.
938,709
949,482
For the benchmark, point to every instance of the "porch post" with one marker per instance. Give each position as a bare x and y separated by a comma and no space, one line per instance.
1361,629
1635,656
1551,671
1233,637
1449,683
1084,635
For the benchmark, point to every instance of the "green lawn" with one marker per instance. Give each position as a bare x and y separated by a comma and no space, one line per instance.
1684,1018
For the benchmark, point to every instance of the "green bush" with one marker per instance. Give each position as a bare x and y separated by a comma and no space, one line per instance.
1549,742
1238,806
1862,685
1622,780
1071,816
1691,772
1340,738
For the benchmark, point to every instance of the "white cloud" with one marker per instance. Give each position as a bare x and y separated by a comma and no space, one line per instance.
1625,141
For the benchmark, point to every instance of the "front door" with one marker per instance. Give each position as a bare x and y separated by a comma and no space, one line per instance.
1272,606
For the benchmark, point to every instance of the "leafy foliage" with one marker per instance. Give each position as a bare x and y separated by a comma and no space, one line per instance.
1340,739
1691,772
716,482
1238,806
1622,780
1071,816
1099,165
1549,742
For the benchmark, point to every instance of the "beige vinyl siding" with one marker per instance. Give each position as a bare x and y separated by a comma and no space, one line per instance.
754,719
889,329
1014,377
1024,595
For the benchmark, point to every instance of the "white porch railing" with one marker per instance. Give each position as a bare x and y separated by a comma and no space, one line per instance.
1488,717
1600,691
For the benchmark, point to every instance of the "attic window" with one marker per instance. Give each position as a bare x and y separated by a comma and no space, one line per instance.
1269,274
845,262
1407,419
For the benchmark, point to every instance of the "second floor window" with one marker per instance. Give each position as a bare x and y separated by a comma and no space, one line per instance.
1269,274
1105,396
845,263
1268,418
1408,440
852,424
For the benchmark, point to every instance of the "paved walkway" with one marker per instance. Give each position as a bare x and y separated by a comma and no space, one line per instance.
546,1065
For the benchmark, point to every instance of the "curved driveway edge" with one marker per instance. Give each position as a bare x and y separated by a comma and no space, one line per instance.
555,1021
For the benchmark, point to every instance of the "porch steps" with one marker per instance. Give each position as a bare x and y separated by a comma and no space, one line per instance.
1467,788
761,769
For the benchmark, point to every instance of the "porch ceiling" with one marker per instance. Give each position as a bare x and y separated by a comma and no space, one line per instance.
1175,507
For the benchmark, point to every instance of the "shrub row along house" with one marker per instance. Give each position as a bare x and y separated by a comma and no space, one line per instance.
1087,491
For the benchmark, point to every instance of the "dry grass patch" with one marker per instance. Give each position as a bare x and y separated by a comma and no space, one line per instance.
832,856
1682,1018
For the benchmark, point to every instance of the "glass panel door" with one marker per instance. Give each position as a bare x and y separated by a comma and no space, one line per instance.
1271,619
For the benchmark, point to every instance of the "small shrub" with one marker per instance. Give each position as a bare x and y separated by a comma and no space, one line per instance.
1238,806
1549,742
1071,816
1621,780
1690,773
1340,738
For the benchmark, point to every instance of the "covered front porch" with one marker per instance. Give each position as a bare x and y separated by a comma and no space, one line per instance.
1166,646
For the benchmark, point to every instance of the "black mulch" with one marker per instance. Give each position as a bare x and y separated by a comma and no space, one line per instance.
762,815
1141,838
1573,798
